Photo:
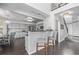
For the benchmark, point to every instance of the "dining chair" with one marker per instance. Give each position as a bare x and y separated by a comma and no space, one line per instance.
6,40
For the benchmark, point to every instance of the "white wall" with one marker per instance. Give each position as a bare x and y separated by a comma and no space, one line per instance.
18,28
49,23
75,29
3,26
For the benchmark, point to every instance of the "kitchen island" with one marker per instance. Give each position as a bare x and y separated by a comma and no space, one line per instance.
31,40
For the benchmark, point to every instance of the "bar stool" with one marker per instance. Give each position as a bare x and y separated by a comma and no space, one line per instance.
52,38
42,42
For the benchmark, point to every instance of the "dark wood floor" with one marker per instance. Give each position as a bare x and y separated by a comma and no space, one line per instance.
66,47
18,49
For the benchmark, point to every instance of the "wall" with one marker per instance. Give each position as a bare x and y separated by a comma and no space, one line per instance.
49,23
75,29
18,28
3,27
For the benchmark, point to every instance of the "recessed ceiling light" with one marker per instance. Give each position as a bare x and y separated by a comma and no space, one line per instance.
29,19
7,21
68,16
78,17
68,13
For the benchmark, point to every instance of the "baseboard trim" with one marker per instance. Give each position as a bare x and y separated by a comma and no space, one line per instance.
64,38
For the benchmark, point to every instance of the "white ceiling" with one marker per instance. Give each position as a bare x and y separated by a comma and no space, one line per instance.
44,7
20,11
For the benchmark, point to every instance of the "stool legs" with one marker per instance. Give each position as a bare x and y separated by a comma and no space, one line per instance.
45,46
36,48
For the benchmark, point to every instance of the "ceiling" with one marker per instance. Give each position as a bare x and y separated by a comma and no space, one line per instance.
55,6
44,7
20,11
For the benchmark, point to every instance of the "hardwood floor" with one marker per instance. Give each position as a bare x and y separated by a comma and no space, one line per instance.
66,47
18,49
